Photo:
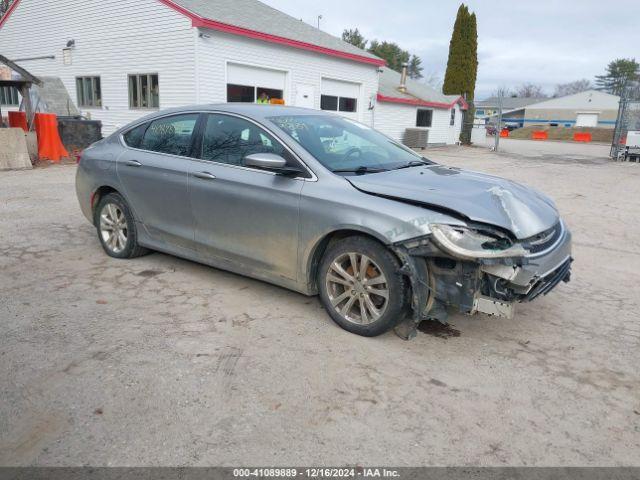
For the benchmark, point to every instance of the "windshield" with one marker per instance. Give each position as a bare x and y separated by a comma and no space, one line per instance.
346,146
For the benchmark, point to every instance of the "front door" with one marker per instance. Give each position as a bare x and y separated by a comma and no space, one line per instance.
305,96
243,215
154,176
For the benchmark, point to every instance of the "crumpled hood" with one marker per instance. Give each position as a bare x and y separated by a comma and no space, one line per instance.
479,197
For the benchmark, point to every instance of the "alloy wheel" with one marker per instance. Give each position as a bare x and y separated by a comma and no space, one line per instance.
357,288
113,227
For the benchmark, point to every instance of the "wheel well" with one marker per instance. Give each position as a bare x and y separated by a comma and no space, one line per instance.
98,194
322,246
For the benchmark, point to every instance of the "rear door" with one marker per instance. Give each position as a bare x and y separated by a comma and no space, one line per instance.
244,215
154,174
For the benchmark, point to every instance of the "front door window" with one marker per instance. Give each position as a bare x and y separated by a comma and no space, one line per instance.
229,139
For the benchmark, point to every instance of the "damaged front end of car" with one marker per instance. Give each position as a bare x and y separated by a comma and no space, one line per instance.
479,268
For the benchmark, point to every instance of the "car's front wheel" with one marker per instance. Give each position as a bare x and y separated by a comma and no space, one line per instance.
361,286
116,227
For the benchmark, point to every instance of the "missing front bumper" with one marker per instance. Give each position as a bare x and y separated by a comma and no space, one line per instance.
493,307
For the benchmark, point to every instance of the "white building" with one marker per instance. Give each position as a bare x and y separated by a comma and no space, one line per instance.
119,59
591,108
417,106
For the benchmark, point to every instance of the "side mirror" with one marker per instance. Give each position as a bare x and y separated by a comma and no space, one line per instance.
271,162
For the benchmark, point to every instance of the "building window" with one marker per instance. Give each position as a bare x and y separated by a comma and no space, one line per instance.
338,104
423,118
89,91
9,96
452,121
144,91
479,112
251,93
347,104
328,102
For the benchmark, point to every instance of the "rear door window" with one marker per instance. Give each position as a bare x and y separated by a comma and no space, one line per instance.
171,135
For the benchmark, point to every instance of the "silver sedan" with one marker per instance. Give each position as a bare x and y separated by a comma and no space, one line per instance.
321,204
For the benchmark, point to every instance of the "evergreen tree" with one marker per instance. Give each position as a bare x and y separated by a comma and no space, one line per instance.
388,51
415,67
619,73
354,37
462,65
4,6
391,52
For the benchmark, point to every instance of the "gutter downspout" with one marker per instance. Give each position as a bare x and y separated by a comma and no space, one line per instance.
374,98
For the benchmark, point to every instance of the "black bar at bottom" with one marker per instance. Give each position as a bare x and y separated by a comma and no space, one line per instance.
287,473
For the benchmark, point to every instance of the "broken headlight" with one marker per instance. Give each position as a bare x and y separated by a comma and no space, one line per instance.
467,243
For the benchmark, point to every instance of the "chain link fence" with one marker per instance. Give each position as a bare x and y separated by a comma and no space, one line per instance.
628,120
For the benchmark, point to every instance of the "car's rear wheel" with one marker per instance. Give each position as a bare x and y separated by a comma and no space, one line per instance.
361,286
116,228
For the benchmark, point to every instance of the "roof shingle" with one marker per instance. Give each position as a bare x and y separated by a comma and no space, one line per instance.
259,17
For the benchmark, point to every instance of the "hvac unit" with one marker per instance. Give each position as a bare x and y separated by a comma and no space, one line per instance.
416,137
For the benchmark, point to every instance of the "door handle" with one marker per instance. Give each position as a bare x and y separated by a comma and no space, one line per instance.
132,163
204,175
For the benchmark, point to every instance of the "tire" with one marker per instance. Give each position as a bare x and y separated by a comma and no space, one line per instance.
379,264
113,211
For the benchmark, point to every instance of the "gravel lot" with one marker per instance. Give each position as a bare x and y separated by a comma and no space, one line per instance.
160,361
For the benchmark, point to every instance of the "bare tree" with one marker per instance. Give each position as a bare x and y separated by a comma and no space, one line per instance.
530,90
570,88
433,79
503,91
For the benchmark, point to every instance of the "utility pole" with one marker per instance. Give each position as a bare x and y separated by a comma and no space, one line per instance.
498,129
319,18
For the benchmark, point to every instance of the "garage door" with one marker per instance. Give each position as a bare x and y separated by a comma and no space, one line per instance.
340,96
587,120
245,83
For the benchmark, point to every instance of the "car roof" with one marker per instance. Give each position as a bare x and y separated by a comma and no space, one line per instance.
252,110
255,111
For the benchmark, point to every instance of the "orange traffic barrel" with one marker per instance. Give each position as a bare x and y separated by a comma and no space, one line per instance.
50,146
582,137
18,120
540,135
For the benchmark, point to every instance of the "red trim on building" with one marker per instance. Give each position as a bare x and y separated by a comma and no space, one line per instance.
9,12
421,103
198,21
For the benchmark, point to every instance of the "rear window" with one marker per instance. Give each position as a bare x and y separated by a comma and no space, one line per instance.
133,138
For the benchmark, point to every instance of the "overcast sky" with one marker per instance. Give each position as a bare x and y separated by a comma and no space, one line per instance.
542,41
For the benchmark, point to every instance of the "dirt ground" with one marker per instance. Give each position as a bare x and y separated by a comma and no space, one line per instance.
160,361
